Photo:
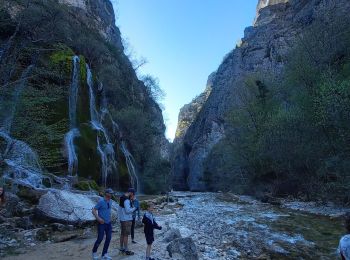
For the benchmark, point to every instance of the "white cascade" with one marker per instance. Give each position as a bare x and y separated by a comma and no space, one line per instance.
73,131
21,162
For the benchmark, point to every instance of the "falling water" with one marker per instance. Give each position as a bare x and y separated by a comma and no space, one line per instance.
130,163
72,155
22,164
73,132
7,122
73,93
105,147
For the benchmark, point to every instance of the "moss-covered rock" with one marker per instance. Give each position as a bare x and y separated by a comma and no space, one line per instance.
62,58
87,185
89,160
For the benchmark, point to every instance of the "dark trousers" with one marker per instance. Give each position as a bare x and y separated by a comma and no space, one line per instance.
133,229
102,229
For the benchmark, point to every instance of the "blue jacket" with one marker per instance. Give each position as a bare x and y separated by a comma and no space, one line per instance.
136,204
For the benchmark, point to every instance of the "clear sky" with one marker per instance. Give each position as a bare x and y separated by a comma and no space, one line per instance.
184,41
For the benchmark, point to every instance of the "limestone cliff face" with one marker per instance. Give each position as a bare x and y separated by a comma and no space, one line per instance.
187,116
99,16
84,28
264,3
263,50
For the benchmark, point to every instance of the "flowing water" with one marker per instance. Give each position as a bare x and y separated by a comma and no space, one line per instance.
105,147
130,163
22,163
73,131
226,226
10,114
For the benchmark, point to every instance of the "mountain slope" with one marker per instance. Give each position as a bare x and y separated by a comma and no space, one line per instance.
116,121
262,58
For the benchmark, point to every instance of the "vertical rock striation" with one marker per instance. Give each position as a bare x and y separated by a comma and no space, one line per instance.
263,49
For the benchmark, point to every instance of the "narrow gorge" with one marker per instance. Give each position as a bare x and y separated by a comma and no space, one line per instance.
253,130
258,169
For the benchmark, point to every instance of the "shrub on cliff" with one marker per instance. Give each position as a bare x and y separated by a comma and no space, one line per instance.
289,137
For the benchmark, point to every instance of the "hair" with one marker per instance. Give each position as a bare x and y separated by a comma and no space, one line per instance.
2,196
347,221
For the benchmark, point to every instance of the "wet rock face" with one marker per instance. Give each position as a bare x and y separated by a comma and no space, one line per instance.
69,208
263,49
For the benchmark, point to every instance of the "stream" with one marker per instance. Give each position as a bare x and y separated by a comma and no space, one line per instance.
226,226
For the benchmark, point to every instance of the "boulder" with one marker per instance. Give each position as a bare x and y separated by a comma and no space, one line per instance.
66,207
12,207
42,234
183,248
171,235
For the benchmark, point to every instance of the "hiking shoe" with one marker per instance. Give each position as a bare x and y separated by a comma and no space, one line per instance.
94,256
129,252
106,257
134,242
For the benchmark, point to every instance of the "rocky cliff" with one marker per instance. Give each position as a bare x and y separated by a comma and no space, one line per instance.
264,49
72,98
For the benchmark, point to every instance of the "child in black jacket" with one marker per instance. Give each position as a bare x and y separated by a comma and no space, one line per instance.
149,225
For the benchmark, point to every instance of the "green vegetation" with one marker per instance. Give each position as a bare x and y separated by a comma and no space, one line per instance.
87,186
47,34
289,135
139,129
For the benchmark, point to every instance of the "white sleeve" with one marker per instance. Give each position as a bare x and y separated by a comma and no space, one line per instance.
128,208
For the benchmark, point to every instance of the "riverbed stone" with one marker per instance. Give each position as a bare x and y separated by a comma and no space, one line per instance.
171,235
183,248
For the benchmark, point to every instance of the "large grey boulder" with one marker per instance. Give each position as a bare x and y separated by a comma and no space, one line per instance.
183,248
171,235
66,207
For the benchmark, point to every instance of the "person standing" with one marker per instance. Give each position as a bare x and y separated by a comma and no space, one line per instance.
344,243
125,211
149,225
102,213
136,205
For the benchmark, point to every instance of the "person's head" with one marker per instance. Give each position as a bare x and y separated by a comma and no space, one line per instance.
150,206
108,194
131,193
347,222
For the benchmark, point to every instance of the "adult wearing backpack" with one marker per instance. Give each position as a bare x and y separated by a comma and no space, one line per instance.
125,212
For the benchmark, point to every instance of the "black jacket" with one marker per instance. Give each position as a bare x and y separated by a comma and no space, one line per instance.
149,226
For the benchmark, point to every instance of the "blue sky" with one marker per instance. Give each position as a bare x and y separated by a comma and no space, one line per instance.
184,41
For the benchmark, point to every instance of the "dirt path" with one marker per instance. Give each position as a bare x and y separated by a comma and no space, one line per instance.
81,249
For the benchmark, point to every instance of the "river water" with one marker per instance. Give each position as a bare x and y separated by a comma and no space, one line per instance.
226,226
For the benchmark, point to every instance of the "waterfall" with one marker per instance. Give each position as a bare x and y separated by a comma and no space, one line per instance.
130,163
73,131
7,122
21,162
73,93
105,147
